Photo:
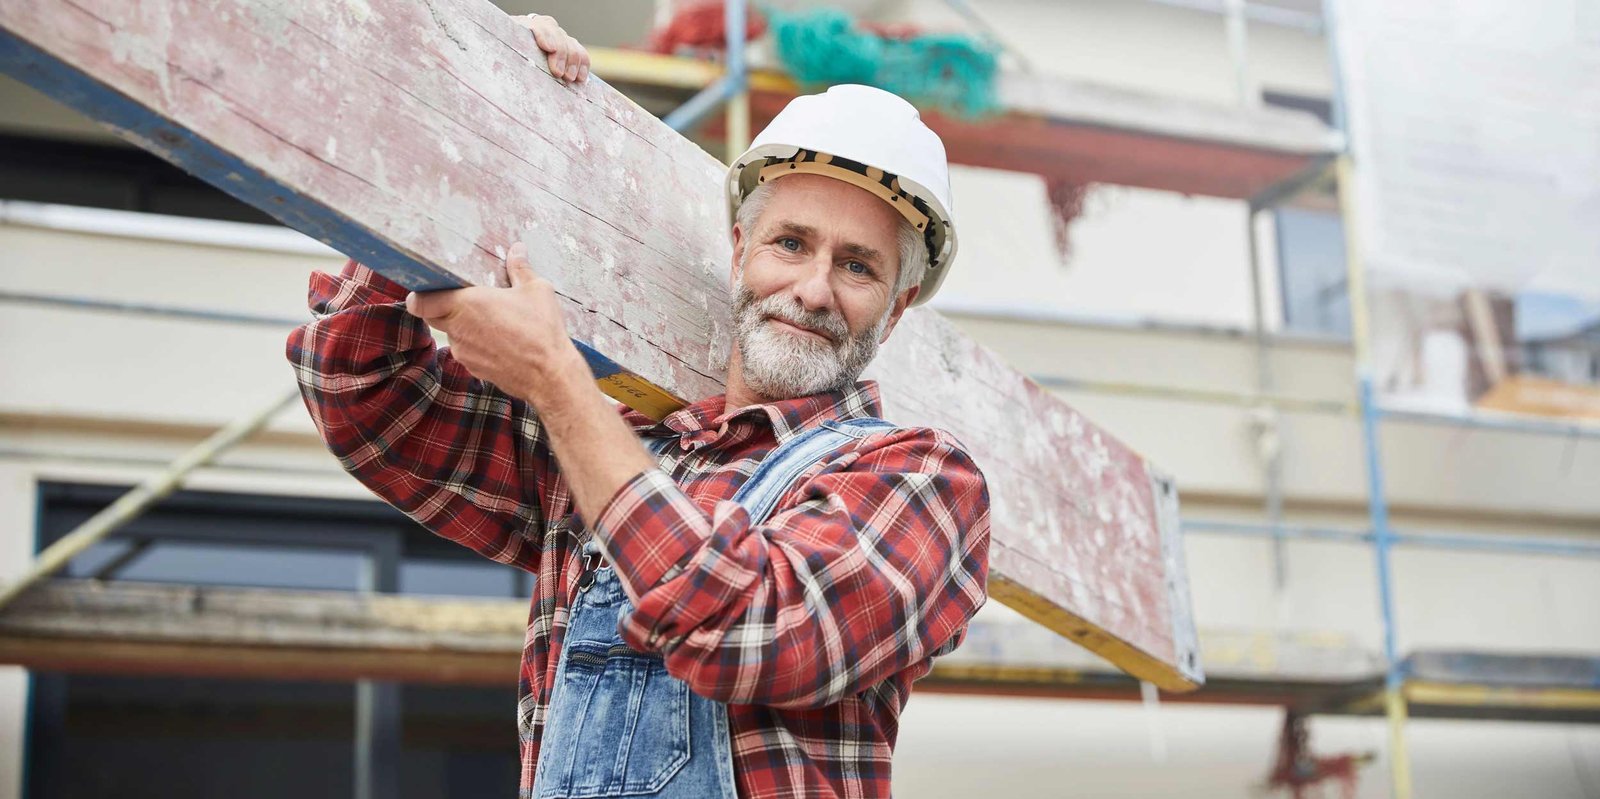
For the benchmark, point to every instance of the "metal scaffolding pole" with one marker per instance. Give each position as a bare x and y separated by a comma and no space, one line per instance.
1371,417
1466,542
1268,425
737,115
151,491
733,87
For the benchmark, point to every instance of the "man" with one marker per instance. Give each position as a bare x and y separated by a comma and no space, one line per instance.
740,605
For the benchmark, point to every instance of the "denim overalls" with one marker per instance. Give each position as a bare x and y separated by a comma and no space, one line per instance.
619,724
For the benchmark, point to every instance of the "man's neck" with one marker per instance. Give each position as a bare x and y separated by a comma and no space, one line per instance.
738,394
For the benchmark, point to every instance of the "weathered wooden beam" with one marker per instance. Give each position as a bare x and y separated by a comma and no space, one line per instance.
89,627
85,626
423,137
77,625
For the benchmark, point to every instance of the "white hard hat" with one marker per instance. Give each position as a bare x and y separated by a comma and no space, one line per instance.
867,137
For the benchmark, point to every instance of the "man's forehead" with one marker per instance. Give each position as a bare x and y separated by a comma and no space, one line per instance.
852,246
823,204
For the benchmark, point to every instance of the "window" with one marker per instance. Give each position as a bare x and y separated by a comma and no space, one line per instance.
1312,271
177,737
108,176
1311,261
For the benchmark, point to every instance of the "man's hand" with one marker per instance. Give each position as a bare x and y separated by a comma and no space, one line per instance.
514,338
568,60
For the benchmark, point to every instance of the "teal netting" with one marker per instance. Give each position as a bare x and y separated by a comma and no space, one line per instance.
825,46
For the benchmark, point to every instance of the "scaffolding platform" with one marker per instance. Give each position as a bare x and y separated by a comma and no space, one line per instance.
1054,127
86,626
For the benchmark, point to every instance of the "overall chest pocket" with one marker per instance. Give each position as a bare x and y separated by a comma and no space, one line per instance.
619,728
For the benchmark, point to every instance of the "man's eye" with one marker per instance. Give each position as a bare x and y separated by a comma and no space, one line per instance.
789,243
858,268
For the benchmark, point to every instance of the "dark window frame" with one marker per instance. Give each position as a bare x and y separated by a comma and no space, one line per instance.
118,177
385,536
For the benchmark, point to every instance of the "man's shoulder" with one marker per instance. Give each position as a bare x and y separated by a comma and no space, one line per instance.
917,447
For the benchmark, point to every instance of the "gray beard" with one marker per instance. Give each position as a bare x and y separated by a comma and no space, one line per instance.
778,365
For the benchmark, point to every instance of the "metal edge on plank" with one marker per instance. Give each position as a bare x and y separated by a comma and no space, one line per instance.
1169,525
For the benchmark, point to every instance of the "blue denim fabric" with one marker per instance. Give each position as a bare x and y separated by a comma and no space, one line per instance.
619,725
771,480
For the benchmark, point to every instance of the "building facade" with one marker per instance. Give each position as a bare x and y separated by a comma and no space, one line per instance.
1156,291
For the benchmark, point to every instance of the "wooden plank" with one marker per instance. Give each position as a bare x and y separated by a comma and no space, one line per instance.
85,626
1095,135
91,655
423,137
1527,671
88,625
91,627
1543,397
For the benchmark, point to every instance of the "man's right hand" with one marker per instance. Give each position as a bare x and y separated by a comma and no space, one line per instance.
568,60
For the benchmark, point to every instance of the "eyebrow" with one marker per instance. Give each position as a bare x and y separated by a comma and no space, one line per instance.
861,251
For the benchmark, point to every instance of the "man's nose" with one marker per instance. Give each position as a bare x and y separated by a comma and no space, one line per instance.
813,288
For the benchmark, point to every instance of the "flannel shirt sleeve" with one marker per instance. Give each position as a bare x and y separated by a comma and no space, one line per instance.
408,421
879,566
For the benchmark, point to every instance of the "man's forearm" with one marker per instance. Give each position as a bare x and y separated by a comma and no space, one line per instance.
597,451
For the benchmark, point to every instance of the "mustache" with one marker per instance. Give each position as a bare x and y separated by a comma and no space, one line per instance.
828,323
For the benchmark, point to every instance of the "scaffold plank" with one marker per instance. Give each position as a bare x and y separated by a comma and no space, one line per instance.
88,626
1068,129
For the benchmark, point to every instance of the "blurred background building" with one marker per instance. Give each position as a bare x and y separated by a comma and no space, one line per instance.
1210,329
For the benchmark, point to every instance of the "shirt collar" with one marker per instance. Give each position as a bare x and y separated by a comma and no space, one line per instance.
788,418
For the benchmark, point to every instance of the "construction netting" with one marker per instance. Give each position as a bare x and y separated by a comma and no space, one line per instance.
1475,126
823,45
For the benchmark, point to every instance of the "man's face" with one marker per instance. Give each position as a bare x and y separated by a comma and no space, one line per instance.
813,286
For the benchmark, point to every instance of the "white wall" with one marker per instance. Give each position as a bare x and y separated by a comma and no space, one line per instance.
115,366
1136,253
1145,46
955,746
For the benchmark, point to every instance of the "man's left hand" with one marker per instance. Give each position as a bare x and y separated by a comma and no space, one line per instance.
568,60
514,338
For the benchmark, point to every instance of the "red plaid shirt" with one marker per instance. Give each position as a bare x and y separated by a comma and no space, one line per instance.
811,626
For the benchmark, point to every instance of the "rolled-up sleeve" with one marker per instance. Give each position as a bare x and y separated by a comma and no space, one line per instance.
409,422
877,563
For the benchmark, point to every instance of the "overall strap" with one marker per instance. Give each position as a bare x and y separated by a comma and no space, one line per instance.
783,466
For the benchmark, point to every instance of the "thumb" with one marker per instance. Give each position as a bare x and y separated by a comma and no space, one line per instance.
433,306
518,270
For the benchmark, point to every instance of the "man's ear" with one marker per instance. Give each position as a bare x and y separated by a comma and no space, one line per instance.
738,244
901,303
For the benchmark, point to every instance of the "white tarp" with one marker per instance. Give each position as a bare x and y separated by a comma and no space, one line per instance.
1475,126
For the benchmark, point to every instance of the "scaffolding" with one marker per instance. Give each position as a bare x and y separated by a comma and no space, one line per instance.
1485,682
1286,161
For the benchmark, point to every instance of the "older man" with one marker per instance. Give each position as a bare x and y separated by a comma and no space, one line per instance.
733,601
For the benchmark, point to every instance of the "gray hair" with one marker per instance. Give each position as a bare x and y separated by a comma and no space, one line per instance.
913,252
